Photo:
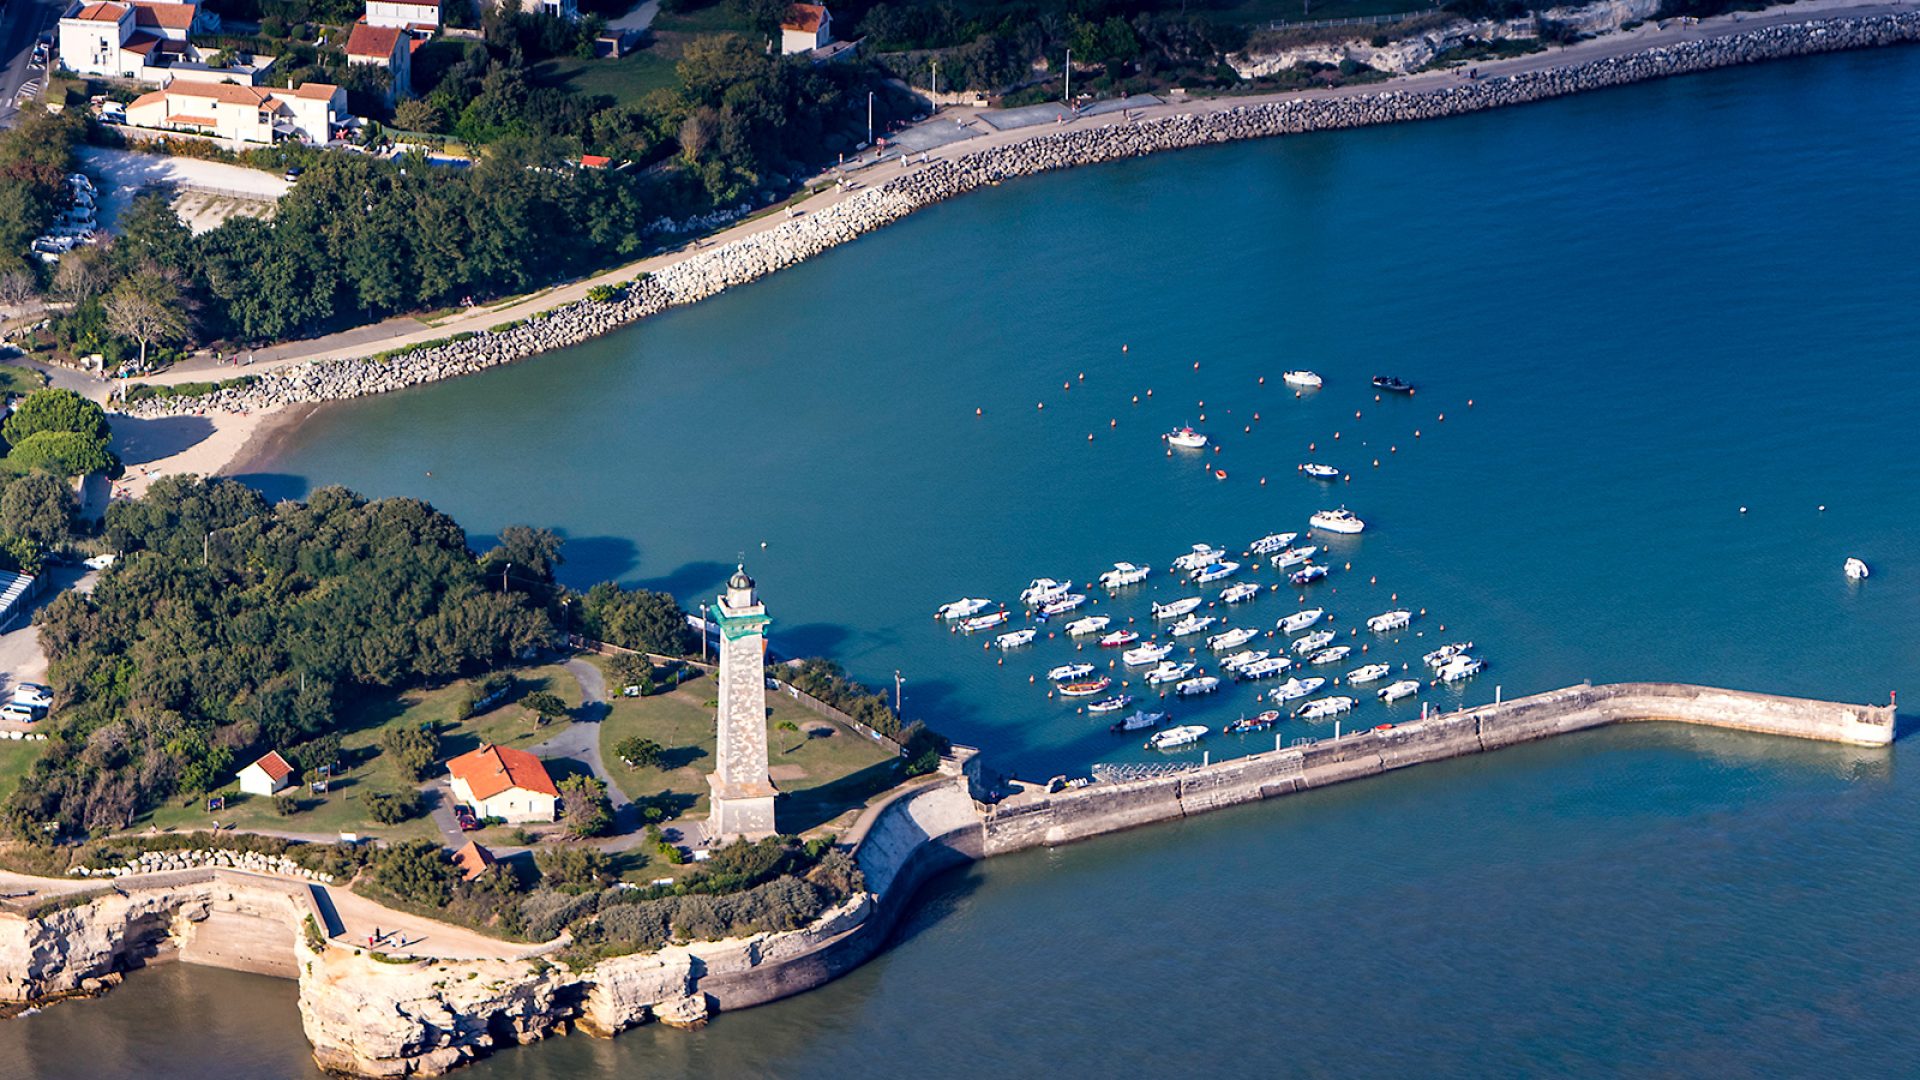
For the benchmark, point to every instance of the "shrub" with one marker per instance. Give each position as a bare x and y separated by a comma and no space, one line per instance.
639,753
394,807
575,869
414,748
583,800
316,940
604,294
286,805
546,706
416,871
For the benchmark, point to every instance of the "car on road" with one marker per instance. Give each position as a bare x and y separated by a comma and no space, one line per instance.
464,818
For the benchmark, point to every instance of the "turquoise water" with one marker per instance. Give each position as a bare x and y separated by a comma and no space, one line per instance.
1665,303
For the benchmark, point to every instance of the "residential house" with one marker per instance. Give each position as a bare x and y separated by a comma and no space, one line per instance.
123,41
806,27
404,14
270,775
473,860
500,782
384,46
564,9
249,114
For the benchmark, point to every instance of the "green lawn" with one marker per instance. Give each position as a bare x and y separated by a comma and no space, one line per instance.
825,771
15,379
1261,12
15,759
625,80
367,770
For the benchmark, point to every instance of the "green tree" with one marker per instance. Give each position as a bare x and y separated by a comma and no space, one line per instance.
39,508
546,707
414,748
639,753
393,807
631,669
584,805
148,307
418,871
55,410
575,869
63,453
637,619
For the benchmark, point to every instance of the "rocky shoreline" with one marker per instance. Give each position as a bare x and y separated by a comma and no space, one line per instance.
711,272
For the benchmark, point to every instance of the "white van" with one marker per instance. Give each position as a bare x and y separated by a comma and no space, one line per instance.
25,714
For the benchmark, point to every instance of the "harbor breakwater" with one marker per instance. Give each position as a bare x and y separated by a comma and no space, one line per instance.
707,273
369,1016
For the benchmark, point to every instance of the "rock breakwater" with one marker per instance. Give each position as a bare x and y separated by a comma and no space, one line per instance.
709,272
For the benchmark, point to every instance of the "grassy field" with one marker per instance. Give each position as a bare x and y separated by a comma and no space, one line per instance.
15,759
340,809
825,771
1261,12
625,80
15,379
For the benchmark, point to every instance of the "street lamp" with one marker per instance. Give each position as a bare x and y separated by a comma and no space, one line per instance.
1068,98
897,680
869,118
703,633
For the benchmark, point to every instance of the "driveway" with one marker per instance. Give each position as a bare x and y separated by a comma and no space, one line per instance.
581,740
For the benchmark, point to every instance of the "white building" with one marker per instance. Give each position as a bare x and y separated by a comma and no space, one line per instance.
404,14
565,9
250,114
268,776
384,46
807,27
499,782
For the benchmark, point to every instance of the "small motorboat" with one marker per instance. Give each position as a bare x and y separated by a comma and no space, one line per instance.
1205,684
1170,671
1460,668
1241,659
1232,639
1044,590
1191,625
1185,438
1142,655
1307,575
1060,605
1238,594
1337,521
1016,639
984,622
1320,472
1265,668
1122,575
1438,657
1313,642
1294,557
1331,656
1300,620
1185,735
1296,688
1369,673
963,608
1070,672
1393,692
1392,384
1112,704
1119,638
1210,574
1324,708
1306,380
1198,556
1089,688
1389,621
1271,543
1092,624
1173,609
1247,724
1857,570
1139,721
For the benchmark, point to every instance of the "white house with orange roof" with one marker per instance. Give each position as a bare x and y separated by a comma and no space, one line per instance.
384,46
249,114
805,28
268,776
501,782
414,15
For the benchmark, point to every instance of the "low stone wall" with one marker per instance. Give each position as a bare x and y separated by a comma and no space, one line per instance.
708,273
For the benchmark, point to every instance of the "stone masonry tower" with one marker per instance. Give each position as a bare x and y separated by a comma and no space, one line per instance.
743,793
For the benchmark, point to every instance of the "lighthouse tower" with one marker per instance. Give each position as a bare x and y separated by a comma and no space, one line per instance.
742,792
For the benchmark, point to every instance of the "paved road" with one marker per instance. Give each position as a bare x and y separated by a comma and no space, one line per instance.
20,22
581,740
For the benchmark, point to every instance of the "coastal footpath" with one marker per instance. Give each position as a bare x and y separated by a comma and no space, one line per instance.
379,1016
711,271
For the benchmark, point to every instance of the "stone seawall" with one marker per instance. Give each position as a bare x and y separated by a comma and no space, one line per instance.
1067,816
708,273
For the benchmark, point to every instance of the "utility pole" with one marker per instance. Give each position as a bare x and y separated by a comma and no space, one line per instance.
869,118
936,83
703,633
1068,97
503,576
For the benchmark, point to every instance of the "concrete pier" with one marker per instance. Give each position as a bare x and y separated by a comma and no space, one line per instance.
1033,820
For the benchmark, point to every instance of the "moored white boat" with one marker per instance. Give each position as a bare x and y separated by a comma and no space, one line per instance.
1857,569
1308,574
1205,684
1070,672
1060,605
1149,653
1305,380
1232,639
1170,671
1264,669
1089,688
1119,638
1112,704
1296,688
1122,575
1369,673
1092,624
965,607
1198,556
1184,735
1300,620
1392,692
1043,591
1238,594
1271,543
1444,653
1185,438
1294,557
1173,609
1461,667
1139,721
1016,639
1242,658
1320,472
1191,625
983,622
1313,642
1331,656
1210,574
1389,621
1324,708
1337,521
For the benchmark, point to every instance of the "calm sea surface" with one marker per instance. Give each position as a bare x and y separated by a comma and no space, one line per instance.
1664,303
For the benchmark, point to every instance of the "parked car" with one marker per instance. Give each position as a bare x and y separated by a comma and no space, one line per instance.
464,818
99,562
293,173
25,714
33,696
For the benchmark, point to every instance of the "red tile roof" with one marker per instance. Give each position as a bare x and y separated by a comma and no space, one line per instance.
473,860
101,12
373,41
271,762
167,16
491,770
804,17
594,161
319,91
